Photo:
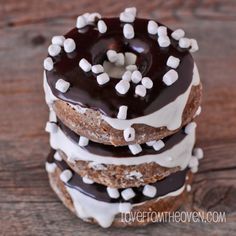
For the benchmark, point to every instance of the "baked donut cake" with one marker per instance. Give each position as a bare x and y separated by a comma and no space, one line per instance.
123,94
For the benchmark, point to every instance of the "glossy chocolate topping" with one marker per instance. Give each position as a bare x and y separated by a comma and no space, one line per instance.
151,61
121,151
97,191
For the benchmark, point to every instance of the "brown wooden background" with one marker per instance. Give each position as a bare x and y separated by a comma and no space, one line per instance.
27,204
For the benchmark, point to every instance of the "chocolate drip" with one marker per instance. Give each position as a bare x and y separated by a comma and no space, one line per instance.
151,61
97,191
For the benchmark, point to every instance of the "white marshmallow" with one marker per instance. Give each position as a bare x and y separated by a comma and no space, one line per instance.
162,31
57,156
69,45
131,10
173,62
122,114
184,43
65,176
127,76
170,77
51,127
147,82
87,180
83,141
136,76
85,65
130,58
48,64
62,85
129,134
96,69
198,152
193,45
193,162
158,145
128,31
112,56
151,143
163,41
135,148
58,40
178,34
81,22
54,50
122,87
189,128
103,78
113,192
152,27
50,167
140,90
120,59
125,207
102,27
188,188
127,17
93,16
149,190
198,112
131,67
128,194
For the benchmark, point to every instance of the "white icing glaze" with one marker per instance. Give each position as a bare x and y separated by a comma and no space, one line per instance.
178,155
103,212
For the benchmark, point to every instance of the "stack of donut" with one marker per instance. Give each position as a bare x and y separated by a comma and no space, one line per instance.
123,94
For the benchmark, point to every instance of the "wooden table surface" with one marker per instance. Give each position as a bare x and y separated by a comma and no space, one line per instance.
27,204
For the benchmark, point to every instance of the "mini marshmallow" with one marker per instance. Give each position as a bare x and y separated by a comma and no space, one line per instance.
158,145
162,31
86,180
81,22
129,134
140,90
184,43
149,190
85,65
178,34
170,77
127,76
135,148
198,112
96,69
112,56
113,192
125,207
65,176
83,141
173,62
69,45
127,17
57,156
131,10
152,27
128,194
58,40
188,188
147,82
131,67
122,87
163,41
102,27
198,152
52,116
136,76
130,58
189,128
54,50
62,85
51,127
103,78
193,45
50,167
128,31
120,59
93,16
122,114
193,162
48,64
151,143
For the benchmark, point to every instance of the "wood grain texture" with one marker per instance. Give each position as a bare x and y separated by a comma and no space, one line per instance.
27,204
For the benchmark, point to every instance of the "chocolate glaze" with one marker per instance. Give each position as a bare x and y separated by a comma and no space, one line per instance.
121,151
151,61
97,191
